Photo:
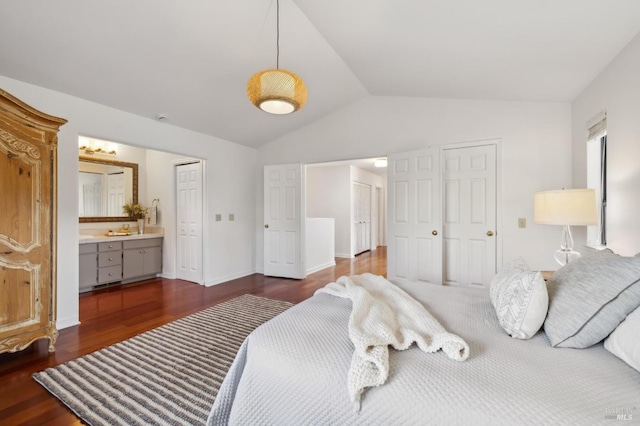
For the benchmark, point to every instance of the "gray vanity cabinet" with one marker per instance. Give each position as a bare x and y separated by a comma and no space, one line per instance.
119,261
88,266
109,262
141,258
100,263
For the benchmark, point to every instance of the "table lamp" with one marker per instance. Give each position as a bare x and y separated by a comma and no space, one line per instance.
566,207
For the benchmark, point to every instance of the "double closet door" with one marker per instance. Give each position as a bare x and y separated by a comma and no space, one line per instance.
442,215
361,229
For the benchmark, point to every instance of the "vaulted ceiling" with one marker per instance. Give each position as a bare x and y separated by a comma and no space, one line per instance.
191,59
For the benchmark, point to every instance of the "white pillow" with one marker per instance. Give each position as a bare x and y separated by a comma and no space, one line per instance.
624,343
520,299
516,265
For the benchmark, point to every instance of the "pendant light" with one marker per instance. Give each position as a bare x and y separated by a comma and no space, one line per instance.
277,91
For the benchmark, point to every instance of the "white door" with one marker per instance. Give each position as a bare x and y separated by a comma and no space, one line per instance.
469,205
115,194
414,242
361,222
283,221
92,197
189,222
380,218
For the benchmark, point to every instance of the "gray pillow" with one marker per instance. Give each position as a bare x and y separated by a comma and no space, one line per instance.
589,297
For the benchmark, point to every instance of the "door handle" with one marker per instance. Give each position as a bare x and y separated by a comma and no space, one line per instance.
490,233
434,232
266,226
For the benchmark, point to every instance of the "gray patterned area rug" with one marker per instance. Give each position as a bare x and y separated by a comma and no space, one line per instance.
166,376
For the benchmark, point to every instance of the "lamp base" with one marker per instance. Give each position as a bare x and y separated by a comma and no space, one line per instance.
565,256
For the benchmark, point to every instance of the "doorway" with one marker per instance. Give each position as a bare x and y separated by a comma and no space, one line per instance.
155,178
349,192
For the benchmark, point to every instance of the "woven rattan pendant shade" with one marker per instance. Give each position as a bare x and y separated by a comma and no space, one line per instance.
277,91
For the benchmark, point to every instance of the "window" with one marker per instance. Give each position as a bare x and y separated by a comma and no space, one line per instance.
597,177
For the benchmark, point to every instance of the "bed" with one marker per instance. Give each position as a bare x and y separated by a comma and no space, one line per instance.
292,370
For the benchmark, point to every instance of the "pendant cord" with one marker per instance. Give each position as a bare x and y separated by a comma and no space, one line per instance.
277,34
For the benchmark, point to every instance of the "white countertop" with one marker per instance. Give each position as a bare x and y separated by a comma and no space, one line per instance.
84,239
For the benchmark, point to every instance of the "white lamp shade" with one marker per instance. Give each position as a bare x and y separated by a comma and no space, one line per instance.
576,207
277,91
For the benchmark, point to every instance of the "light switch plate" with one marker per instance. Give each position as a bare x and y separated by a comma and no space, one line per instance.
232,217
522,222
218,217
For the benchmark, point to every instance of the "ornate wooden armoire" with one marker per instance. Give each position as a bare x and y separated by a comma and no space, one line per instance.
28,170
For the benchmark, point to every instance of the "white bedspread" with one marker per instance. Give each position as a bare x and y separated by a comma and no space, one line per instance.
382,314
292,371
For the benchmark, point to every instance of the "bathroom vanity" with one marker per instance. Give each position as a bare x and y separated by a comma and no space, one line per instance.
119,259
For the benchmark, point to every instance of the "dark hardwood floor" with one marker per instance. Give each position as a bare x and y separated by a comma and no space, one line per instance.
114,314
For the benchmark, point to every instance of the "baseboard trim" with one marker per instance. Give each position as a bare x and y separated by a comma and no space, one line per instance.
66,323
220,280
320,267
343,255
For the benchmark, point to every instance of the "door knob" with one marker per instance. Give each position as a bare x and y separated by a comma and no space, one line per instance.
266,226
434,232
490,233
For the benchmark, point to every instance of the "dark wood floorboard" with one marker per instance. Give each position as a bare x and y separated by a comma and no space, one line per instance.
114,314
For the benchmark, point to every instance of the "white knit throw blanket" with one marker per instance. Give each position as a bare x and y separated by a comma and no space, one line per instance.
383,315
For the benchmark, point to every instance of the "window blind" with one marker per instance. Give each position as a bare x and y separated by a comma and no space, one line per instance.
597,126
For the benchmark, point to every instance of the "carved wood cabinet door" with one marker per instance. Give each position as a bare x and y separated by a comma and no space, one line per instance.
28,163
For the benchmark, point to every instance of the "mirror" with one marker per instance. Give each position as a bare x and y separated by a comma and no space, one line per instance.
104,186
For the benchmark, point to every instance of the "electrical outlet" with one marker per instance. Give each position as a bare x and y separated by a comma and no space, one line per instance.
232,217
522,222
218,217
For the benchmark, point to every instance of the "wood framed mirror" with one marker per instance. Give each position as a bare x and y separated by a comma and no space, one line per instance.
104,186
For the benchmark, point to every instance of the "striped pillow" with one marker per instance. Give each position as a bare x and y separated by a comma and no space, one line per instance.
520,299
589,297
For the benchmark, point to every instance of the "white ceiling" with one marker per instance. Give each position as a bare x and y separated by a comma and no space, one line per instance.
191,59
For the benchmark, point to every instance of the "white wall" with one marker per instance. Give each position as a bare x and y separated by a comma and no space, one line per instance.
616,90
319,243
536,153
328,194
230,183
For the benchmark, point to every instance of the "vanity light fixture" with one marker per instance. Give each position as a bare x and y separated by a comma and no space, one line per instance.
277,91
93,146
90,151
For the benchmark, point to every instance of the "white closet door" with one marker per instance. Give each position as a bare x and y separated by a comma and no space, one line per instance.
469,196
361,201
284,218
414,246
189,220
